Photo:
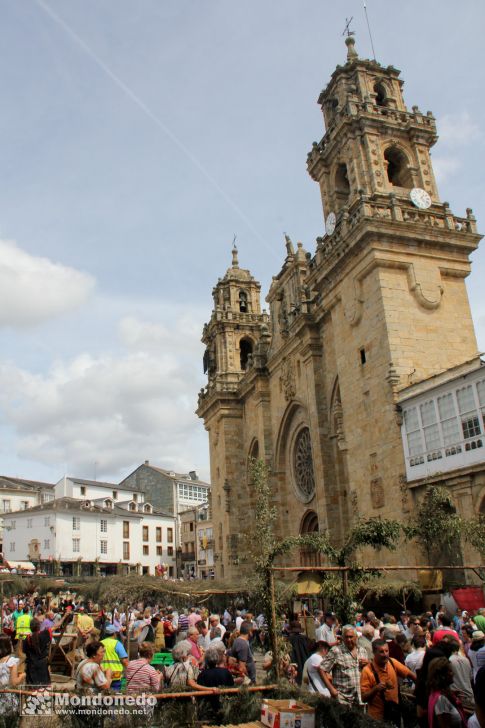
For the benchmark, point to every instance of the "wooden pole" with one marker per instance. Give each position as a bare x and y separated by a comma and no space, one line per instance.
273,630
375,568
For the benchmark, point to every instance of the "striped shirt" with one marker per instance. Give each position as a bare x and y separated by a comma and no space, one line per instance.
142,677
183,623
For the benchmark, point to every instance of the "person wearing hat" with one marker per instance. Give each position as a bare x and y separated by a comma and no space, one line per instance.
300,648
115,656
326,632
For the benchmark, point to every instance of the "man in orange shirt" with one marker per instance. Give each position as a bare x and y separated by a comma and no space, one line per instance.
379,681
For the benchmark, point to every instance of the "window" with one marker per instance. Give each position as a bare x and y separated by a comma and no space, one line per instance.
145,533
29,522
115,494
413,435
170,551
363,357
83,490
398,172
170,535
145,551
135,497
46,497
342,186
76,545
12,545
6,506
103,526
132,506
76,523
104,547
47,521
191,526
159,551
243,301
126,529
13,525
158,532
126,550
381,95
430,426
47,543
469,416
245,353
24,505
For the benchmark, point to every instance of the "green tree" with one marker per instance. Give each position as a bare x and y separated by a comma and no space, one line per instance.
265,547
474,532
436,526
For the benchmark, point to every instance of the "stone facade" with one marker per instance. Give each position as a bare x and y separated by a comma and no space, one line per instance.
313,388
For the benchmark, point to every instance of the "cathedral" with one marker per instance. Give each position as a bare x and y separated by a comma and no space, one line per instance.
363,383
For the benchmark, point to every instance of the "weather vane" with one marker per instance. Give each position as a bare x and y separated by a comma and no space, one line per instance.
347,27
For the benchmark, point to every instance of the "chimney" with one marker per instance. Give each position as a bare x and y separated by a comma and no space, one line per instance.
147,462
193,475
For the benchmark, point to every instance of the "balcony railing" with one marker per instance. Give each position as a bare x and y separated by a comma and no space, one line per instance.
188,556
443,459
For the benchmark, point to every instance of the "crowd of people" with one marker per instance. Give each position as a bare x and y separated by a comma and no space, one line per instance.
370,664
437,661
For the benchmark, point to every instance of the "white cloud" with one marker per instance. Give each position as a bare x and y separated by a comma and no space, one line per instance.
33,289
445,167
458,129
112,410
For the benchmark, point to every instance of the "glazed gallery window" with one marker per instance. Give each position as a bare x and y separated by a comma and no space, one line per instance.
76,545
126,529
447,424
76,523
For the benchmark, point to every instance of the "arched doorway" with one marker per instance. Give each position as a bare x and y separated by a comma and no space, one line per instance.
309,524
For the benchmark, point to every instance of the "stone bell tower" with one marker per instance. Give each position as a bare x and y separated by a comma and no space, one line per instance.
234,338
389,272
383,213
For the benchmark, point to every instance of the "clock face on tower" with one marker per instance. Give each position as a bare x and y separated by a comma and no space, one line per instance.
330,223
420,198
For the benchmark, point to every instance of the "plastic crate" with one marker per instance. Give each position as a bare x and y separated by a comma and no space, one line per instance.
163,659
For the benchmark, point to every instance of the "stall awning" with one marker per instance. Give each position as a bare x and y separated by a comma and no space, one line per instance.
20,565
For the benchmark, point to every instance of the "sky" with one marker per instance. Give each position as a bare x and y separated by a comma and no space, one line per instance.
136,139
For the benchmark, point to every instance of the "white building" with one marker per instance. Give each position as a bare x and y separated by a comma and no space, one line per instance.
72,536
17,494
92,489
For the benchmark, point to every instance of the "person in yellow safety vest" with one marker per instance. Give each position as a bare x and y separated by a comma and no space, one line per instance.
115,656
22,627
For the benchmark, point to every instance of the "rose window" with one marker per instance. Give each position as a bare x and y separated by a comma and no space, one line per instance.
303,466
